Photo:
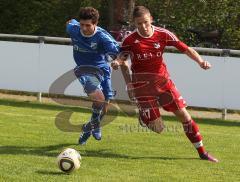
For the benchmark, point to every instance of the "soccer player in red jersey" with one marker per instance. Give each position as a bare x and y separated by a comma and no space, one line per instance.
149,84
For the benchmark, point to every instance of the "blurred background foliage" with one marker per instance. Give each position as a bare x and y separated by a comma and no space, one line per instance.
48,17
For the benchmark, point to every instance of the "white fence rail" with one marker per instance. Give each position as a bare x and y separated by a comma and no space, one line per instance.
35,66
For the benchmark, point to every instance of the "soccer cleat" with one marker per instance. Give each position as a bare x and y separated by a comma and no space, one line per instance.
207,156
84,137
97,134
96,131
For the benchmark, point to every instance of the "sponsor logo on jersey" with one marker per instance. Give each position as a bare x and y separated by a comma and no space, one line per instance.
93,45
79,49
136,41
156,45
148,55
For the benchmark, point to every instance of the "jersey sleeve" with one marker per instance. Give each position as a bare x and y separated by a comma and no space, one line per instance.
72,26
109,45
125,47
172,40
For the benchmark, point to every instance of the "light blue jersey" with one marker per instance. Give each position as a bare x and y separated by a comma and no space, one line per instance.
91,50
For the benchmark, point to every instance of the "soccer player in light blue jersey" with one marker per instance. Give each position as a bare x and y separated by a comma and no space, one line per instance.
92,46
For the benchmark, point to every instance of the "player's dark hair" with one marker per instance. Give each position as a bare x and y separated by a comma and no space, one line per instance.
140,11
88,13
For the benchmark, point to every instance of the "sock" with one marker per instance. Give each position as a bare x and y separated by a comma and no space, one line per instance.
96,113
192,132
95,118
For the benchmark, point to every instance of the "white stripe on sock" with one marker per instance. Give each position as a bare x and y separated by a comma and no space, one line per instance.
198,144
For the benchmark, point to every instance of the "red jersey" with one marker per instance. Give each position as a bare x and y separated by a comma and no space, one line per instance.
146,52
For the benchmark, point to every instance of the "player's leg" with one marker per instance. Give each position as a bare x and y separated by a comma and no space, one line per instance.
108,92
106,95
149,114
191,129
97,112
156,125
91,85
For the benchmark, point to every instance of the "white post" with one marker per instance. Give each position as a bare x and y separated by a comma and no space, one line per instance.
225,54
41,43
224,114
39,96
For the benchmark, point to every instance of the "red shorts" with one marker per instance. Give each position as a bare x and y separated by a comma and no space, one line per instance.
168,97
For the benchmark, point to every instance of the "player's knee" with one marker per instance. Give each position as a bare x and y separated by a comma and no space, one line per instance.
97,96
157,126
156,129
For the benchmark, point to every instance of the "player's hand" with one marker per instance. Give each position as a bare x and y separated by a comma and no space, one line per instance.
115,64
205,65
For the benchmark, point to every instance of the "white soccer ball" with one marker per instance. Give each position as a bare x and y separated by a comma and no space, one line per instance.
69,160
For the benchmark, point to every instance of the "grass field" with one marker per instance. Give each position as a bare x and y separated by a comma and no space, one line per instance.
30,142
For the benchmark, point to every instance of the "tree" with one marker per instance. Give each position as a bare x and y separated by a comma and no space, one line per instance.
119,11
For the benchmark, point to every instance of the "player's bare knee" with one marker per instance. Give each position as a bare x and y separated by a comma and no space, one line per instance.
157,126
156,129
97,96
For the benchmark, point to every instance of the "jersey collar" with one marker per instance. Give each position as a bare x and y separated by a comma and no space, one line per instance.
147,36
95,31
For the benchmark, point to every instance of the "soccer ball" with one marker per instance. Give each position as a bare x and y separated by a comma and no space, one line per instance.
69,160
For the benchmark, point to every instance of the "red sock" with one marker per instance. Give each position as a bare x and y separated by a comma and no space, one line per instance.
192,132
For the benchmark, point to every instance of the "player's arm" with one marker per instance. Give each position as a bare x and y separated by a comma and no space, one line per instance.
122,62
197,58
172,40
108,45
70,24
121,58
125,70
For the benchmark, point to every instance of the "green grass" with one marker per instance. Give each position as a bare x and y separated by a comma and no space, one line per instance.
30,142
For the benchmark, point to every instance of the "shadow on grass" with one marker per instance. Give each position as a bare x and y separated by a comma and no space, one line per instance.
104,153
53,151
215,122
50,151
